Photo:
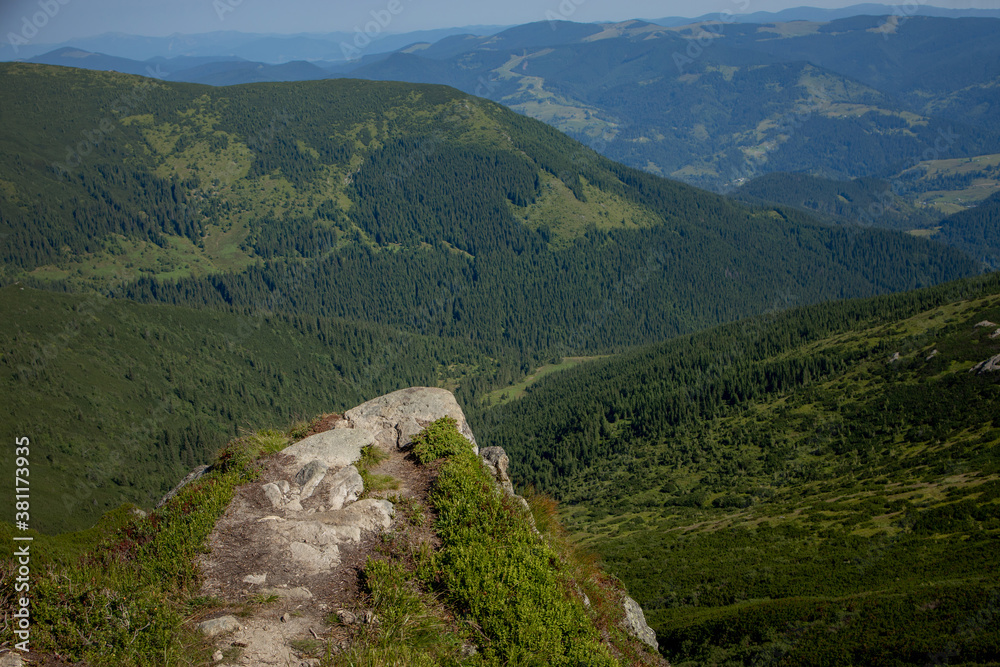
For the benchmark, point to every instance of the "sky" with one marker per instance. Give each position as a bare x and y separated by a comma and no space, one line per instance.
55,21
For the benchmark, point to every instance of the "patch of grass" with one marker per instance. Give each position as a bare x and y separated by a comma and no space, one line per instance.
310,647
516,391
371,457
411,508
124,601
375,483
410,628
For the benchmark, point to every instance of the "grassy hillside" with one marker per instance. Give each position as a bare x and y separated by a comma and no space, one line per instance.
804,488
121,400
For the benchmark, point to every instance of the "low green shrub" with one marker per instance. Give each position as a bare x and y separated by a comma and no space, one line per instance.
494,569
439,440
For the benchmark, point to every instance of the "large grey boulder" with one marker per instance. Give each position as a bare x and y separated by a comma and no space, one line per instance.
335,448
635,623
395,418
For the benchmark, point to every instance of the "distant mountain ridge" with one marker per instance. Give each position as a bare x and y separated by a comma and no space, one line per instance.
824,14
273,49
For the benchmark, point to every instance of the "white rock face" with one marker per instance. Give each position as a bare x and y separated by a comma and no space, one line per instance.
273,495
312,559
496,461
635,623
395,418
345,487
991,365
336,448
309,477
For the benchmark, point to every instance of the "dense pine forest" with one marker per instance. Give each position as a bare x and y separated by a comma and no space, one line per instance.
815,483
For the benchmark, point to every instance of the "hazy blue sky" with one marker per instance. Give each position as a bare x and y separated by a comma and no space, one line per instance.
68,19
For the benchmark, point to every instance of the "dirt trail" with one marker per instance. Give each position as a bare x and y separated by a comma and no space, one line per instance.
246,564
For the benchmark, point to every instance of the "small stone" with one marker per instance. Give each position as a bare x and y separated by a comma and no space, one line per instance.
255,579
286,617
345,487
219,626
932,355
217,656
370,617
469,650
273,494
346,617
310,476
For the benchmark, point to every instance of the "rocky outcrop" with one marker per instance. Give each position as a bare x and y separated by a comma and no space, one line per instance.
635,623
986,324
335,449
496,461
305,528
395,418
991,365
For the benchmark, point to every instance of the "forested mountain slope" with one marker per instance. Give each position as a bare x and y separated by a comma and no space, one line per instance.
376,201
398,210
718,102
808,487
